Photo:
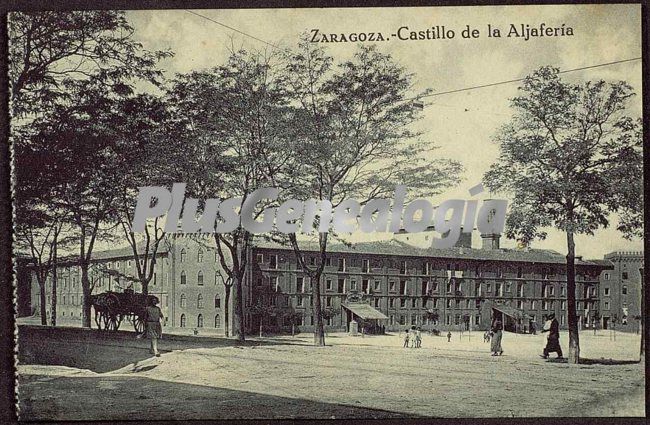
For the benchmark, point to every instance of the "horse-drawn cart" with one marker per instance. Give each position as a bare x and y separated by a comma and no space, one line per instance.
111,308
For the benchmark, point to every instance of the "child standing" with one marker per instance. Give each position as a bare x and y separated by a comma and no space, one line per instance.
418,338
406,338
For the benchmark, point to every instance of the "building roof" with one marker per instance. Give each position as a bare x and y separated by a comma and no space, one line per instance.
125,251
398,248
627,254
510,311
113,254
364,311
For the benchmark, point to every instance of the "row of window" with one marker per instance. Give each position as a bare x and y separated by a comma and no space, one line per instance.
404,266
199,321
199,301
426,287
434,303
624,275
199,255
606,291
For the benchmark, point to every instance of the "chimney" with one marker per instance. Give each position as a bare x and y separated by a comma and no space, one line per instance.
464,240
490,241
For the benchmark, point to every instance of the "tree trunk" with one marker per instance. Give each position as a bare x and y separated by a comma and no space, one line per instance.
85,287
238,317
145,288
54,280
226,310
42,288
572,319
319,329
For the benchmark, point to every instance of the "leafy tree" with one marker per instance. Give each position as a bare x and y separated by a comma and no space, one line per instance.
570,157
294,317
352,138
329,313
263,310
69,66
84,153
237,130
154,142
52,51
432,316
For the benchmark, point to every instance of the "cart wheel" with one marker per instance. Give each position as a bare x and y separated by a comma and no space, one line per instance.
113,323
138,324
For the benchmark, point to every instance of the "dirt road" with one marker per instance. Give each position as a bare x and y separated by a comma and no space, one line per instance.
372,377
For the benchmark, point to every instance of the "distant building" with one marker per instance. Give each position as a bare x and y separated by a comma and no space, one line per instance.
403,280
463,286
186,281
620,291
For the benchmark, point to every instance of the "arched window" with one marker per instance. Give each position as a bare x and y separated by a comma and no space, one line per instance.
199,256
199,278
182,320
183,254
183,300
199,301
217,321
199,321
217,301
183,278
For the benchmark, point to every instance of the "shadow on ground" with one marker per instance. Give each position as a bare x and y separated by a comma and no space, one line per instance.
138,398
104,351
601,361
611,362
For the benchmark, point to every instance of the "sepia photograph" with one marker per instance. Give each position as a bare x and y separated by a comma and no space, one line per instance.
338,213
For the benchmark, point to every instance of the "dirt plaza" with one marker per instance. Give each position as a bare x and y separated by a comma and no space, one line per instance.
352,377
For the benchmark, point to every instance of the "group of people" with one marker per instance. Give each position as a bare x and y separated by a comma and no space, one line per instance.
414,336
551,325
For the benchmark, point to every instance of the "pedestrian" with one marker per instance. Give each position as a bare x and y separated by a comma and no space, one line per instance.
497,333
449,336
412,337
553,340
406,338
533,328
418,338
153,315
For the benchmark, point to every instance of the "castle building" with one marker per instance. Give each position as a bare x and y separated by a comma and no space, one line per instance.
621,291
389,285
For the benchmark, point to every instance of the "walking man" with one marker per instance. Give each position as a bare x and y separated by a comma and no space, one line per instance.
553,341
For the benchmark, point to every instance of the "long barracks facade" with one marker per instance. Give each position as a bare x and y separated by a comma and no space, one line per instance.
401,279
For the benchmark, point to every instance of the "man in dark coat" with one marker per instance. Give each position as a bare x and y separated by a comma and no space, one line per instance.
553,341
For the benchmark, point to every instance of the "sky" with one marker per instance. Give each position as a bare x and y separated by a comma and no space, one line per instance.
461,124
